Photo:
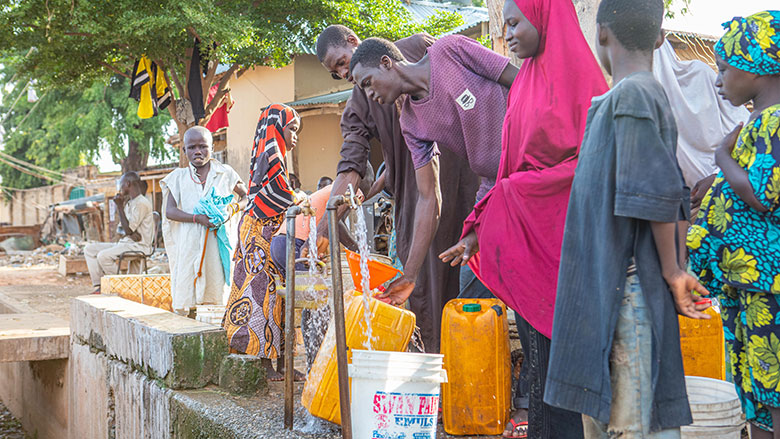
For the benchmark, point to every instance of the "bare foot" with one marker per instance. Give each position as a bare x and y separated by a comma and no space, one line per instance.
517,428
297,376
273,375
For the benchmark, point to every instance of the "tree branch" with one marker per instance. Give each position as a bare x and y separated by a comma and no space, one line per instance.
194,33
176,83
114,69
210,73
179,85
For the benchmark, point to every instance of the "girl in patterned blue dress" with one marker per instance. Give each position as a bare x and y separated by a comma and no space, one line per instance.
735,241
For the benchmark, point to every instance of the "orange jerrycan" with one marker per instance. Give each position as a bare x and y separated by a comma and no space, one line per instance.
703,346
476,400
391,330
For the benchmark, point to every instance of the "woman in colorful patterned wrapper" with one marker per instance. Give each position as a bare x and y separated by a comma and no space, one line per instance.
735,241
254,319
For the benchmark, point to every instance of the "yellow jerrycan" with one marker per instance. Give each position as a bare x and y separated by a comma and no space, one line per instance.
476,400
391,330
703,346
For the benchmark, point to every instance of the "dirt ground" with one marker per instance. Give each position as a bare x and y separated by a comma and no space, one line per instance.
42,288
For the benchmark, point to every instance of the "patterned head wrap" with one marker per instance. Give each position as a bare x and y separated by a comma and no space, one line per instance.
752,44
269,186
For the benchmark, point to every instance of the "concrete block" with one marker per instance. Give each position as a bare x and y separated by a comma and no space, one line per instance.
72,265
243,375
33,337
89,413
141,406
181,352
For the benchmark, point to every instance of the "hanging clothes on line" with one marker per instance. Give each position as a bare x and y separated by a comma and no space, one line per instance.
219,119
149,87
194,81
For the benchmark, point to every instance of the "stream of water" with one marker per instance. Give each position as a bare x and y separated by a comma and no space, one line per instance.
362,239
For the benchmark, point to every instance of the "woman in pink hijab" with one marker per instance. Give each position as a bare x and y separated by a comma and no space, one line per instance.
515,233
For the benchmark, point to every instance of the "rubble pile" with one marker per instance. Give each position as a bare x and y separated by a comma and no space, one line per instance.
44,255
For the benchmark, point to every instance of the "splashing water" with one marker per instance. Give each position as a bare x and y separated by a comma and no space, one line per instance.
319,318
312,249
314,426
362,239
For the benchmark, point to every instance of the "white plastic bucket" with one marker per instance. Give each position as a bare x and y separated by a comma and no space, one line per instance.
716,410
395,394
211,314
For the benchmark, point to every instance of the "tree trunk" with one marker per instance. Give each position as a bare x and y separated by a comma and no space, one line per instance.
586,11
135,160
496,17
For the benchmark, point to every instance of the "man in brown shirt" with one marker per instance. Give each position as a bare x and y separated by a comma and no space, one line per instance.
363,120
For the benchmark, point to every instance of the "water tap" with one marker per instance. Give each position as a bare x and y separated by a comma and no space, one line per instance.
351,197
306,208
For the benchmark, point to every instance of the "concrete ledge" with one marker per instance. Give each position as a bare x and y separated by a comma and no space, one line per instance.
10,305
33,337
181,352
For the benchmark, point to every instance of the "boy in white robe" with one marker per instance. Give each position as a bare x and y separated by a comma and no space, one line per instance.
197,276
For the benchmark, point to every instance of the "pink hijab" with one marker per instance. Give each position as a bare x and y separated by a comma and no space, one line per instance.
520,222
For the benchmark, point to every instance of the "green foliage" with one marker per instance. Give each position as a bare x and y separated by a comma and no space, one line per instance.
674,6
69,126
389,19
79,47
486,41
78,40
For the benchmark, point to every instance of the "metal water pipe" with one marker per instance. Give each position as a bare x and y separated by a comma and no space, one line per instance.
338,306
289,339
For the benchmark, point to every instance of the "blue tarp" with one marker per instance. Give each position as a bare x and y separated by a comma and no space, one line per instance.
216,208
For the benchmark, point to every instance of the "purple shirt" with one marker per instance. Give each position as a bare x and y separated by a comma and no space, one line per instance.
464,109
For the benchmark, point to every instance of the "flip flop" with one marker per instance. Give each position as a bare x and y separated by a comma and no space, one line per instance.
515,427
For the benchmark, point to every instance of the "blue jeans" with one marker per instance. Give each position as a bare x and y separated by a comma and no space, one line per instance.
279,253
630,374
471,287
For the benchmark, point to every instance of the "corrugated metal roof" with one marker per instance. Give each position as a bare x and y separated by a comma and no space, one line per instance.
421,10
703,37
330,98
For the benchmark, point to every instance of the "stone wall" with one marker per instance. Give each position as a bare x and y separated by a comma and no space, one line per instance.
126,361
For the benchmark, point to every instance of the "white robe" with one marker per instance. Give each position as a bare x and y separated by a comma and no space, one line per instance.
184,241
703,117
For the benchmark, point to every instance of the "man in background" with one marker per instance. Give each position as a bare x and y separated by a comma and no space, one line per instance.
135,213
